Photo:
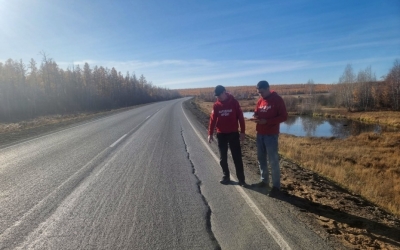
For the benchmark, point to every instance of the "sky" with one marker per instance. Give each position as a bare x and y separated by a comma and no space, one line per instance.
193,44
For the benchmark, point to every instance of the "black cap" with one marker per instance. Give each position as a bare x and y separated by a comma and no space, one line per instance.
262,85
218,90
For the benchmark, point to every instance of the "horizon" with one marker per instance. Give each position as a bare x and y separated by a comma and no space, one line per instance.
271,85
182,45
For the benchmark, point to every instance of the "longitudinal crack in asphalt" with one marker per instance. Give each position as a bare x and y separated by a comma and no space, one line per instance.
208,214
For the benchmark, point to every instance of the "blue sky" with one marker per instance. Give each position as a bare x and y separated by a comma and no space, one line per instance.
192,44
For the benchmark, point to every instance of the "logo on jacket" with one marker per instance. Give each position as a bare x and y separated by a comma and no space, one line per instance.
264,108
225,112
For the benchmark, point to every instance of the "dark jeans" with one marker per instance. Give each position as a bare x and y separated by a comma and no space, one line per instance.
231,139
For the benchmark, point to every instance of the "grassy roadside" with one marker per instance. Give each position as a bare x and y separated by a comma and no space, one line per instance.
367,164
56,120
43,121
389,118
12,132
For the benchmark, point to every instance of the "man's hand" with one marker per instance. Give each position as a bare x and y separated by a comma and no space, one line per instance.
261,121
210,138
242,136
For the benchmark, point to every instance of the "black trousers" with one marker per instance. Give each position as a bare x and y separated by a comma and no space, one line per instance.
231,139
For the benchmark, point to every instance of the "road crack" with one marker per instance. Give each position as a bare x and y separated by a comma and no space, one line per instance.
199,184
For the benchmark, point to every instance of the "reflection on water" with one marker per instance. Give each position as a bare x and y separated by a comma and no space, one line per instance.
320,127
324,127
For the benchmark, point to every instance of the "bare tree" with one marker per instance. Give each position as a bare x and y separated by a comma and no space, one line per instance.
346,82
393,79
33,84
363,94
311,101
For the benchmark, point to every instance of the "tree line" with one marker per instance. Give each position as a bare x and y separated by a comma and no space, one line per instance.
249,92
355,92
363,92
29,91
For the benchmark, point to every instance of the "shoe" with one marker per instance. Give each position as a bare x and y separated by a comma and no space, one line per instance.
274,192
242,183
225,180
260,184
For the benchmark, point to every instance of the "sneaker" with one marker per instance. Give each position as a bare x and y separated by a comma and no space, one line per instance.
274,192
225,180
260,184
242,183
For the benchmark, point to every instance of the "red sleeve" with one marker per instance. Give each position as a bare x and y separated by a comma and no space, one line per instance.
241,118
255,108
282,113
212,122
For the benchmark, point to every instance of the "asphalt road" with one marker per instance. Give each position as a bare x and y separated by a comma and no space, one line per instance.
141,179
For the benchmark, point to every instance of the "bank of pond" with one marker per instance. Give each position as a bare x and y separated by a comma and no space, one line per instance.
308,126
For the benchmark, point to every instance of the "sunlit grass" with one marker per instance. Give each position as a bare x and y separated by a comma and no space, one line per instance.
37,122
367,164
52,120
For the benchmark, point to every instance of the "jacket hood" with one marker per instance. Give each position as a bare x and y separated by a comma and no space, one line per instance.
228,98
272,95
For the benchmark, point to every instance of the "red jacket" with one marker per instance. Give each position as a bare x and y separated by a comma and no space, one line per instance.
272,109
225,116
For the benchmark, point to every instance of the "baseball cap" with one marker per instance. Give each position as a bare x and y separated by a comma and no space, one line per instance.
262,85
218,90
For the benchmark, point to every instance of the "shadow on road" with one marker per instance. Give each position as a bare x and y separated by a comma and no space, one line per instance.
372,229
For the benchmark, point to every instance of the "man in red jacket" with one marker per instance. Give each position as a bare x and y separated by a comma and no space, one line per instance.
269,112
225,116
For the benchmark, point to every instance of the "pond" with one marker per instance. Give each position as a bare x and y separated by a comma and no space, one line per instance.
326,127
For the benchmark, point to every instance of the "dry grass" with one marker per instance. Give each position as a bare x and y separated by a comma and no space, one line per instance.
54,120
367,164
37,122
206,107
391,118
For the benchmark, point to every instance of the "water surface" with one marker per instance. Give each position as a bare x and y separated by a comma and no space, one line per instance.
326,127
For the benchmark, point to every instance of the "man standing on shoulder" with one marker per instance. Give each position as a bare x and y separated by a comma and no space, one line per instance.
269,112
225,116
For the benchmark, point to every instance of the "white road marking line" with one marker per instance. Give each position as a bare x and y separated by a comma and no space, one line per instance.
261,217
42,205
66,129
115,143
